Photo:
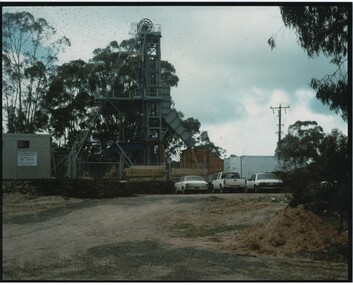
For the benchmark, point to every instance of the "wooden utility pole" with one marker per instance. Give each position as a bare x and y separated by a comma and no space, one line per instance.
279,110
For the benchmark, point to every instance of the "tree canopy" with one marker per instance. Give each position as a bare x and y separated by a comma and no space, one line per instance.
317,167
307,146
29,51
324,30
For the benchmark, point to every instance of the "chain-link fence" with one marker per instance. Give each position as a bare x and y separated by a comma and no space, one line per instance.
59,164
65,166
99,170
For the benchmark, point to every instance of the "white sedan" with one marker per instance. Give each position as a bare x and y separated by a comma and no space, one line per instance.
264,181
190,183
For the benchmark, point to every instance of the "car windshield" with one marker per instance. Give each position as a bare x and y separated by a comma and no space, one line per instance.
266,176
194,178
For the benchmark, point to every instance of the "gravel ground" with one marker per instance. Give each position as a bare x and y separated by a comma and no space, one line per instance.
146,238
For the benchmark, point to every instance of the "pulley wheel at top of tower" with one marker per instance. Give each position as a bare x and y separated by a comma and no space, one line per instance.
145,25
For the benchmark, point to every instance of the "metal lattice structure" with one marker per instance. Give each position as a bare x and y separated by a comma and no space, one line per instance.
147,94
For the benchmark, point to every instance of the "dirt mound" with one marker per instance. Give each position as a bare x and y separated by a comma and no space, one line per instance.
290,231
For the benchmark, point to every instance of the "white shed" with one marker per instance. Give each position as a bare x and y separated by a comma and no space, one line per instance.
248,165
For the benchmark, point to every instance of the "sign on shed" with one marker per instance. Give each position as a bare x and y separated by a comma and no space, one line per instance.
27,158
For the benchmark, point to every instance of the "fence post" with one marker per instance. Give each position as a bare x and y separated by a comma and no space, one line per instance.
72,165
120,166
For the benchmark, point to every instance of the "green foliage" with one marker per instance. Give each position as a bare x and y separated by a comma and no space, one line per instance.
333,93
204,140
333,162
299,181
68,101
301,146
319,28
192,125
168,75
324,30
29,52
317,166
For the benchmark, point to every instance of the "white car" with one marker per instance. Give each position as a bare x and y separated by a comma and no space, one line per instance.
190,183
264,182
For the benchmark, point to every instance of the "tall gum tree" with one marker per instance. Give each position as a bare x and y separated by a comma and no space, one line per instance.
29,51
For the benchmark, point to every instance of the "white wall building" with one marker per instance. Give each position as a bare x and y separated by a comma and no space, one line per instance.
248,165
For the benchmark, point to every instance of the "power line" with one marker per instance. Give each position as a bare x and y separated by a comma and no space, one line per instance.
279,111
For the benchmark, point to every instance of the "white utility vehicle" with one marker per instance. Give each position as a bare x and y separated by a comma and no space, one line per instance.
264,182
228,181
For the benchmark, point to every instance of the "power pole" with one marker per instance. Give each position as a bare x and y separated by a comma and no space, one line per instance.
279,110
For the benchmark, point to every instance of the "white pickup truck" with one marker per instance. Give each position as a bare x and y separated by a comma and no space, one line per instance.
226,181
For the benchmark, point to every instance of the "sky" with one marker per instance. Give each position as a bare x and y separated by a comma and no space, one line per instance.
228,76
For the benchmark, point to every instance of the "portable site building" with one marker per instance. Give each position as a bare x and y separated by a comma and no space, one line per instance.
248,165
26,156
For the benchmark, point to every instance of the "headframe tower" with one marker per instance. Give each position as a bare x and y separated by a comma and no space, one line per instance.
148,94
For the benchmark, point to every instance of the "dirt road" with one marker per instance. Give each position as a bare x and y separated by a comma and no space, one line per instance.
147,237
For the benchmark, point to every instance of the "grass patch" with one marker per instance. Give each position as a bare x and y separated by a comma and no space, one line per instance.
188,230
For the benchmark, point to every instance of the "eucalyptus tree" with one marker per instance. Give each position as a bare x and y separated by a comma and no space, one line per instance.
324,30
300,147
333,164
68,100
29,50
313,157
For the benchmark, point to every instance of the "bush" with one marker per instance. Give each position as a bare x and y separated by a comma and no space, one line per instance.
324,198
298,182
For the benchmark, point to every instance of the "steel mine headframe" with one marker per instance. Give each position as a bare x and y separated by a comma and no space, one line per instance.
147,95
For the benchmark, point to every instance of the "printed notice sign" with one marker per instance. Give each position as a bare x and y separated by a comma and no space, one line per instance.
27,158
